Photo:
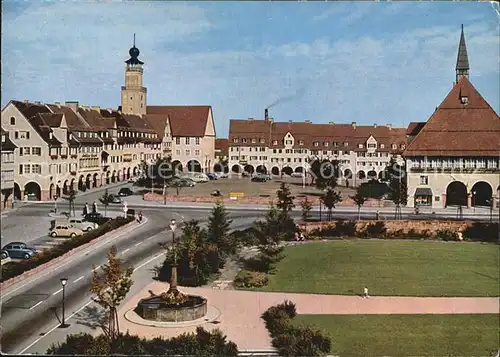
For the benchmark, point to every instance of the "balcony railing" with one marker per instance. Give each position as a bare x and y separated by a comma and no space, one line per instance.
455,169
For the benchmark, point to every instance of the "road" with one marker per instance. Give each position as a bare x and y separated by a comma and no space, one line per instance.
26,311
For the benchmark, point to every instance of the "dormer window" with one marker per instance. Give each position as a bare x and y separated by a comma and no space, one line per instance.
275,142
262,141
464,100
394,146
325,143
51,136
403,146
335,144
382,146
254,141
235,140
316,143
244,140
360,146
301,142
346,144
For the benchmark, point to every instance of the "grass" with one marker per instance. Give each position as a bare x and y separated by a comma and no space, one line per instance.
408,335
390,268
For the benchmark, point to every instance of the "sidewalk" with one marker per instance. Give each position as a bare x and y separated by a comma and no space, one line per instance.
240,311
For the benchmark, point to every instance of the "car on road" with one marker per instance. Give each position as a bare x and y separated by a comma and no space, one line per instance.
17,250
114,199
259,178
96,218
82,224
65,230
125,191
222,174
212,176
297,174
182,182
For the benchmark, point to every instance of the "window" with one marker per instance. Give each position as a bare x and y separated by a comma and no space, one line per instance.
197,140
316,143
289,142
12,121
235,140
177,152
26,168
372,146
275,142
188,152
244,140
346,143
325,143
360,146
26,151
36,169
394,146
424,180
262,141
197,152
177,141
301,142
436,198
382,146
335,144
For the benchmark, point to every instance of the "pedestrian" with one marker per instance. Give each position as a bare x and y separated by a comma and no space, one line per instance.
378,215
140,217
94,207
365,293
85,210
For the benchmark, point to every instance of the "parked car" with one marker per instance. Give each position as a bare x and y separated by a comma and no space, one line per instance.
297,174
222,174
114,199
125,191
197,177
65,230
212,176
17,250
96,218
259,178
182,182
82,224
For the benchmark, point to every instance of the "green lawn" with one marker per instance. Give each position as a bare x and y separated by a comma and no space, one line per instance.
408,335
404,268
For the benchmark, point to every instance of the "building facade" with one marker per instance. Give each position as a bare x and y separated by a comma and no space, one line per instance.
7,168
453,159
266,146
221,150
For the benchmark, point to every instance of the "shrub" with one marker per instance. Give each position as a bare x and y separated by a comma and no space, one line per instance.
250,279
447,235
375,230
277,318
345,228
13,269
480,231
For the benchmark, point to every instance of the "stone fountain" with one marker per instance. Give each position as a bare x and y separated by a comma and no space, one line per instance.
172,305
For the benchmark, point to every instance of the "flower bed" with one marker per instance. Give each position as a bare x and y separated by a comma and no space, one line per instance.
13,269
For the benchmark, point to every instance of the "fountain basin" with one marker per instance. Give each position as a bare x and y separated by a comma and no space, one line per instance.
156,309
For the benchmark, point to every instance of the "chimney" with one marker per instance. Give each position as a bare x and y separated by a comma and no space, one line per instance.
266,114
375,125
354,124
73,105
389,126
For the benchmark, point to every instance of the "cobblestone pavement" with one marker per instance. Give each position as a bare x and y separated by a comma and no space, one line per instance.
241,310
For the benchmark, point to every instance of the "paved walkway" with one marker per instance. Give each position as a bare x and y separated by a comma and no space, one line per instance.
241,310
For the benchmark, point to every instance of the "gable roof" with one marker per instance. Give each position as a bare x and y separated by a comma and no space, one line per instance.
6,144
221,145
414,128
185,120
459,129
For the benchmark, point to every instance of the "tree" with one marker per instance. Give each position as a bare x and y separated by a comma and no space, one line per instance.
285,199
218,230
395,175
359,199
306,208
106,199
110,289
330,198
324,172
71,201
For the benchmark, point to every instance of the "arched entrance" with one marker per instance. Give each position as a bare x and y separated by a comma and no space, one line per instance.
128,173
482,193
261,169
177,166
135,171
95,180
249,169
80,183
33,191
119,175
65,187
72,185
218,167
17,191
275,170
193,166
108,178
372,174
88,181
58,189
361,175
113,176
287,170
347,174
456,194
299,170
51,191
236,169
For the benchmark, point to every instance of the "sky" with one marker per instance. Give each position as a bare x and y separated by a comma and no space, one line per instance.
364,62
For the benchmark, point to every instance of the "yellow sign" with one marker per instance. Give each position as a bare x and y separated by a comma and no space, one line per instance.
236,194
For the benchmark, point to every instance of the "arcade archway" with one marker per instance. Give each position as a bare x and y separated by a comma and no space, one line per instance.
482,194
456,194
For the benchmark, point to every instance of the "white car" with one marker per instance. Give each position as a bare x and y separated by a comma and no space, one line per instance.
82,224
297,174
222,175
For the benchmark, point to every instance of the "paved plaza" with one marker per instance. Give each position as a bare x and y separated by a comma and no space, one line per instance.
240,311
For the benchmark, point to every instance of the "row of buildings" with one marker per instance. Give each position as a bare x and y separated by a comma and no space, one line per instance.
47,149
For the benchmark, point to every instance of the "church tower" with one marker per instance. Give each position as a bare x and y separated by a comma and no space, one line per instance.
133,93
462,68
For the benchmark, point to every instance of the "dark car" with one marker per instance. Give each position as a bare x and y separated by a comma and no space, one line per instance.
182,182
96,218
18,250
259,178
212,176
125,191
114,199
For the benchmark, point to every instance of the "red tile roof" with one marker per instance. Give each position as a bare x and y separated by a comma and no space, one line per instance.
414,128
185,120
33,113
221,145
458,129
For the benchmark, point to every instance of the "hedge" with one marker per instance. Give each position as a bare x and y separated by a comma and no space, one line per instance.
13,269
478,231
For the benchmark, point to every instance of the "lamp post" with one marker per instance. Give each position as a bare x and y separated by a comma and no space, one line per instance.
474,200
173,280
63,320
55,204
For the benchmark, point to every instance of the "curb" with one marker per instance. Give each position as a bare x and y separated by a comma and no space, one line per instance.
6,284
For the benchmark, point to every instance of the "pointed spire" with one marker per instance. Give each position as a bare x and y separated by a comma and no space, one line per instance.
134,36
462,68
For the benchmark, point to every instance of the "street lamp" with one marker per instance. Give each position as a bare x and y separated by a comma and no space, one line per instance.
173,280
474,200
63,320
